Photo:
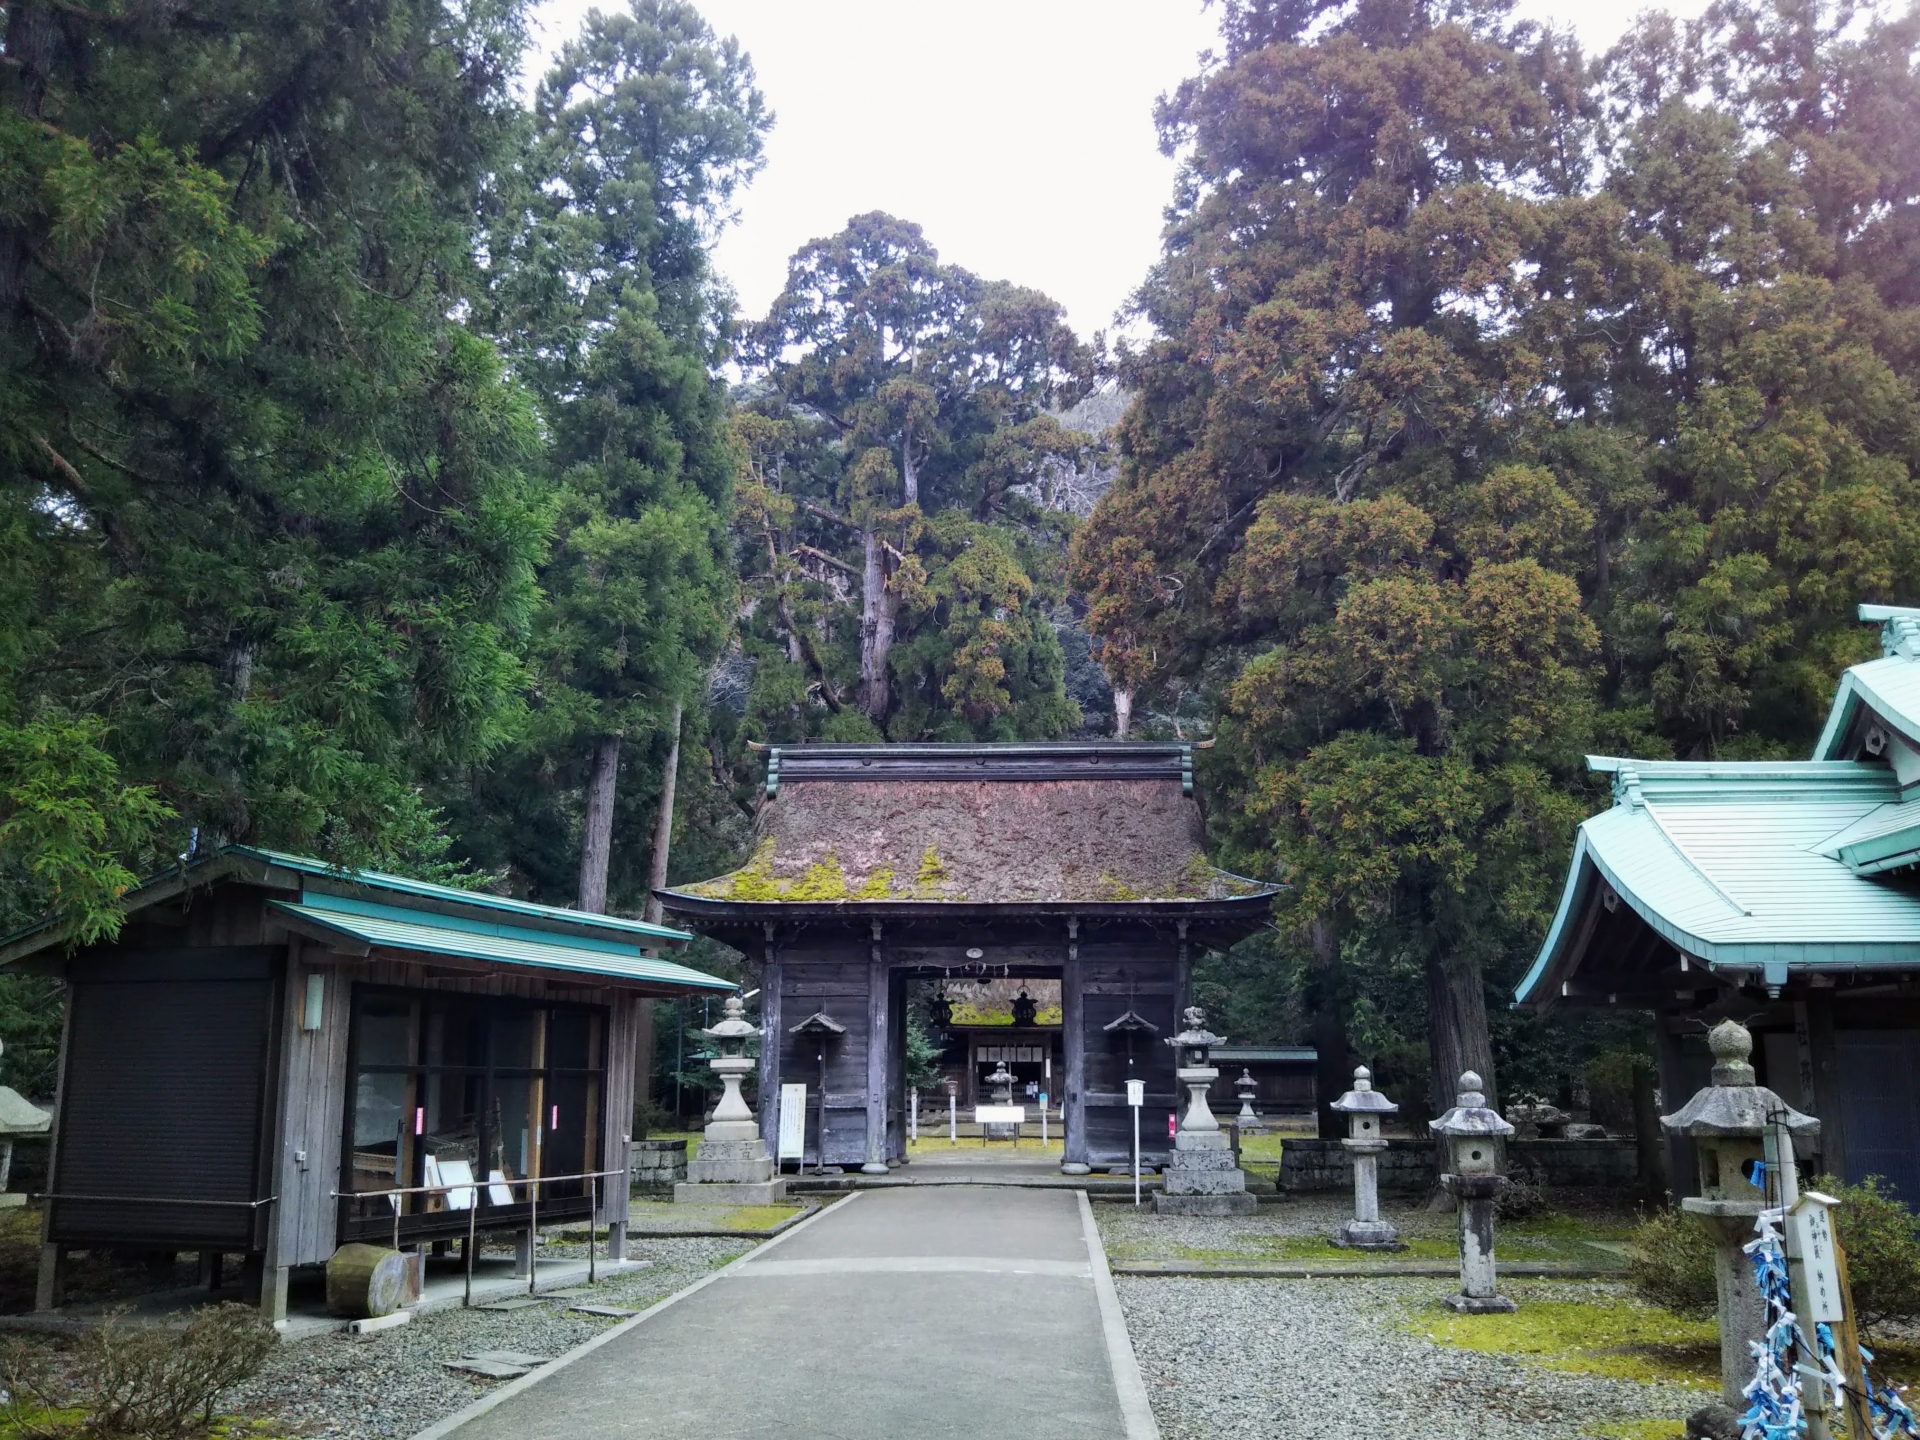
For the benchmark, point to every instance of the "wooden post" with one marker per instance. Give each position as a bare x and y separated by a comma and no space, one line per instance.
1846,1339
1824,1056
1073,1037
772,1036
878,1047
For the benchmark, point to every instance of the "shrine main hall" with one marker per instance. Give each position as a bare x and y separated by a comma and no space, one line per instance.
879,866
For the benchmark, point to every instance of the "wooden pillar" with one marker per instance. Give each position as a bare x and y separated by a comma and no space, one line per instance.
1683,1166
878,1033
49,1289
774,1034
1073,1039
1823,1053
1182,980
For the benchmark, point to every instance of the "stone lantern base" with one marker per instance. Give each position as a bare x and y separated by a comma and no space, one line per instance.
731,1172
1480,1304
1368,1235
1200,1178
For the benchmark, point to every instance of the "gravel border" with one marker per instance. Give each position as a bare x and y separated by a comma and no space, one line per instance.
1335,1360
392,1384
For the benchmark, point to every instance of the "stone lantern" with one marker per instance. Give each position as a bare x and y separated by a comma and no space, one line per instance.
1473,1133
1248,1118
1200,1177
1366,1108
1001,1082
732,1166
1728,1121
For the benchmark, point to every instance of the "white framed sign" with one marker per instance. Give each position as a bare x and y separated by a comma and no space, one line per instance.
793,1122
999,1114
1809,1240
1136,1093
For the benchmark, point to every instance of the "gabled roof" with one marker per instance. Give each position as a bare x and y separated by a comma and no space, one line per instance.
358,911
1889,686
1729,863
946,825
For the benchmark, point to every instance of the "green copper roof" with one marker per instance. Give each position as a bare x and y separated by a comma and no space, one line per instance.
364,924
1889,686
1733,864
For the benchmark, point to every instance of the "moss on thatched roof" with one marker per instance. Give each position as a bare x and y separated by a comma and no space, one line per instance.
994,841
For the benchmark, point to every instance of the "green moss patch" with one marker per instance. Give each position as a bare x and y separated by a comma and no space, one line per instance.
1594,1331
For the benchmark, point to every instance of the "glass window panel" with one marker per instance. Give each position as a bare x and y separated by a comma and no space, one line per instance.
570,1040
382,1107
516,1039
456,1033
386,1030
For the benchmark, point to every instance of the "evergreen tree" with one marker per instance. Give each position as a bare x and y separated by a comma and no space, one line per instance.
902,562
642,132
270,530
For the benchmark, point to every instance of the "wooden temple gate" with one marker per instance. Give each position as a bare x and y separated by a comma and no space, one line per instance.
877,865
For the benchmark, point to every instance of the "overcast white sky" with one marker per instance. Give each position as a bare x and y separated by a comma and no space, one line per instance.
1017,133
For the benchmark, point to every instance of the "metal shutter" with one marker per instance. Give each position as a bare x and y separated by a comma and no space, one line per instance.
165,1086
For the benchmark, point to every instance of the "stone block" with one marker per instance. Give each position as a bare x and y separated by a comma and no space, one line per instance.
765,1192
1480,1304
1238,1203
1368,1235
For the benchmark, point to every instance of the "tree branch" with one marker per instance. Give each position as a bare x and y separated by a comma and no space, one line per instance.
824,558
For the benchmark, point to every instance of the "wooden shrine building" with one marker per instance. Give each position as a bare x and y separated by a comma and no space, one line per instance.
879,865
272,1047
1785,894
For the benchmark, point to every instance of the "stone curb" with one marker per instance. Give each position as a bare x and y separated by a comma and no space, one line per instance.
453,1422
1422,1269
1129,1386
785,1225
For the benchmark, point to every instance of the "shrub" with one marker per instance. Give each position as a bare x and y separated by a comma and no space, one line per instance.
1524,1194
1879,1235
144,1381
1670,1263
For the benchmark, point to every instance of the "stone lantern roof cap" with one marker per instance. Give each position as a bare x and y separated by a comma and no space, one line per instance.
734,1025
1363,1098
1470,1115
1196,1033
1734,1105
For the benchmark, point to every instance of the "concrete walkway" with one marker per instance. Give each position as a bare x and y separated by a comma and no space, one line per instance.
897,1314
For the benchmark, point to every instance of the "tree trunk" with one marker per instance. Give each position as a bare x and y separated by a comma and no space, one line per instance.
1122,713
1333,1065
909,475
1457,1035
596,845
1649,1139
876,627
663,823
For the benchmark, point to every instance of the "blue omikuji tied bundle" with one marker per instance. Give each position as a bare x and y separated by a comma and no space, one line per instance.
1774,1410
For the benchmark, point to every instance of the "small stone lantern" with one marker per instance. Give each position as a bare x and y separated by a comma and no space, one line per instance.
1001,1081
1200,1177
1248,1118
1366,1108
732,1166
1473,1133
1728,1121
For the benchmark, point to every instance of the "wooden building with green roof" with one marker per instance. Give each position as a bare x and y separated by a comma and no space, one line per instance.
276,1056
1783,893
878,865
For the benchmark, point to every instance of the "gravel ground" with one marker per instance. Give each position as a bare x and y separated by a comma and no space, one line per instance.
1329,1360
391,1384
1139,1233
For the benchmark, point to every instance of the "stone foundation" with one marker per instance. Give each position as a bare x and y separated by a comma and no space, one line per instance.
657,1165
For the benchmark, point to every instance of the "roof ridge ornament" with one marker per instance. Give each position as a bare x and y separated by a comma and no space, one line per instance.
1899,629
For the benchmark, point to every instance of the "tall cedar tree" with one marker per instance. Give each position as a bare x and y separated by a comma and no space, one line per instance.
644,130
269,532
1462,347
899,551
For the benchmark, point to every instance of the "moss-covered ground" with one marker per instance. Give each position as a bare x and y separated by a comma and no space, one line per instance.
746,1219
1593,1327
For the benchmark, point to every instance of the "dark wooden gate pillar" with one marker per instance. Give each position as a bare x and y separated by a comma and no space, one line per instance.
773,1032
878,1054
1073,1039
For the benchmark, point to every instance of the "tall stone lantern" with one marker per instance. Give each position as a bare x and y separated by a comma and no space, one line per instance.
1473,1133
1728,1122
1366,1108
1200,1177
732,1166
